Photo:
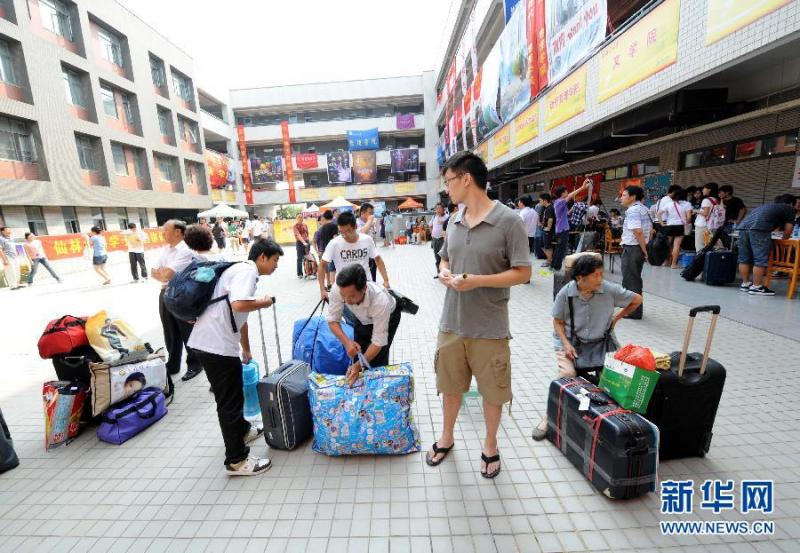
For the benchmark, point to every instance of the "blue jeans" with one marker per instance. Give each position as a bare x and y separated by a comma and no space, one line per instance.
35,266
754,247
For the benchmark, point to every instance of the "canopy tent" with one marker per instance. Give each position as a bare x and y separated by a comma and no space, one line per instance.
338,202
223,211
313,209
410,203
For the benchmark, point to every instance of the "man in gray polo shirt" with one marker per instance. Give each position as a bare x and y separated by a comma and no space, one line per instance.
485,252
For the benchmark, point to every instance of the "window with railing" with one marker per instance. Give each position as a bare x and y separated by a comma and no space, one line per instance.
139,164
7,71
36,223
109,103
144,220
127,108
56,18
122,217
71,223
87,152
98,218
120,161
110,47
166,168
158,72
182,86
188,130
16,140
74,88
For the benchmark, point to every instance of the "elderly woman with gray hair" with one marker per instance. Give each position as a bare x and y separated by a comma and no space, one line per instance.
584,319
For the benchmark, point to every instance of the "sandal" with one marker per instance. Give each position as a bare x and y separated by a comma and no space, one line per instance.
436,451
488,461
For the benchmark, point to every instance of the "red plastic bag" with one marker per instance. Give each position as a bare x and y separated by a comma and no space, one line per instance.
637,356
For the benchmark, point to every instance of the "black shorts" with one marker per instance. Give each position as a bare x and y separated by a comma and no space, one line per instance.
549,238
673,230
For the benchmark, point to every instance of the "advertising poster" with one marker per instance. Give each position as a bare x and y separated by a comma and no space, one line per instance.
490,79
642,51
217,169
363,140
574,28
482,151
248,189
515,85
501,142
307,161
404,121
405,160
526,125
365,169
728,16
655,187
266,169
566,100
796,177
339,167
537,45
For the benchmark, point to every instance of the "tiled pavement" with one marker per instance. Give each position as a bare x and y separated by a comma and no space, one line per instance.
165,490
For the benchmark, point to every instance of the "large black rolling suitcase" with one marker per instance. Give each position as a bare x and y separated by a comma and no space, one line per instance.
283,396
615,449
74,367
719,267
698,264
8,457
685,400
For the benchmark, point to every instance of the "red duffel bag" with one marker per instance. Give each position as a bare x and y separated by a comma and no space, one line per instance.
63,335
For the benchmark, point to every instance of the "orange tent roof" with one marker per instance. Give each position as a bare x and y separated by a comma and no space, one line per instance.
410,203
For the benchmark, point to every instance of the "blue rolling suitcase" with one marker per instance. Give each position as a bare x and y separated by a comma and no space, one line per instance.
719,267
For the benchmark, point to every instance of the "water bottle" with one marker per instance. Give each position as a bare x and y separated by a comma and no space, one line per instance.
250,375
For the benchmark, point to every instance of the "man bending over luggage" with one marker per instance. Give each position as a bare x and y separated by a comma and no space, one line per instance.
377,317
216,345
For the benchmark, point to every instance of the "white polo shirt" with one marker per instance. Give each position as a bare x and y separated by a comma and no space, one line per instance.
375,309
212,332
176,258
636,217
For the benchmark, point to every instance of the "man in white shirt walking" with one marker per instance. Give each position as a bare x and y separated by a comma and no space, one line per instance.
136,239
376,315
437,234
530,219
217,345
175,257
636,230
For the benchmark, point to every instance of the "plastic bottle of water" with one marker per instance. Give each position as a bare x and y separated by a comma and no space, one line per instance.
250,375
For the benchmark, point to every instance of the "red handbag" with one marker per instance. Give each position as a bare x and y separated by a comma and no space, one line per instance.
63,335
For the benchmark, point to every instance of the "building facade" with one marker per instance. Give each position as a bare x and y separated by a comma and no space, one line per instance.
100,120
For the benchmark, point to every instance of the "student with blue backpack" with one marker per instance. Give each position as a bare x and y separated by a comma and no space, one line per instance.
221,342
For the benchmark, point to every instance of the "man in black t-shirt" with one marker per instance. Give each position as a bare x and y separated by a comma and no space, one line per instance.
548,224
735,210
327,233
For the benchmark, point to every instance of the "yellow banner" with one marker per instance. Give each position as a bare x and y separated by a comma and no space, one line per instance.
482,151
367,191
642,51
216,195
309,195
284,230
501,142
405,188
526,125
230,196
335,191
728,16
566,100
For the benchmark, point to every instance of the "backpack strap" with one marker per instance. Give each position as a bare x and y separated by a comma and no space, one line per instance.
230,310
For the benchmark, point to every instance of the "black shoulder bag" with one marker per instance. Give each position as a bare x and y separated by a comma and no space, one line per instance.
591,353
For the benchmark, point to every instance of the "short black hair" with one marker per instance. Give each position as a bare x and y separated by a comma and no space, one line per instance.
713,187
544,196
467,162
691,190
614,210
3,228
680,195
526,201
198,238
674,188
137,377
26,234
178,224
586,265
266,246
345,219
451,207
366,206
635,191
328,215
131,226
559,191
96,230
352,275
785,199
727,188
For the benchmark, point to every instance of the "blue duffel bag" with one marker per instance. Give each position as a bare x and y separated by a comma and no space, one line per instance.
314,343
375,416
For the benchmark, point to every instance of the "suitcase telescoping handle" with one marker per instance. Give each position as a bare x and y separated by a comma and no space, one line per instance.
277,338
263,341
714,310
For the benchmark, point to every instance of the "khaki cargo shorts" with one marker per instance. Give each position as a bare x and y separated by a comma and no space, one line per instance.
459,358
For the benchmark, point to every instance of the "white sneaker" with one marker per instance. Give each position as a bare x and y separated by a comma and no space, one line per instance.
249,467
253,434
745,286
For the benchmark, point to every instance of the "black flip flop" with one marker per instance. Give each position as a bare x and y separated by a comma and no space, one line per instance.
488,461
436,451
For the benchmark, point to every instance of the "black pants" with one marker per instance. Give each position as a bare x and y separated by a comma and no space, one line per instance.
220,242
373,270
301,254
538,243
363,337
632,264
225,376
560,252
176,334
137,259
436,244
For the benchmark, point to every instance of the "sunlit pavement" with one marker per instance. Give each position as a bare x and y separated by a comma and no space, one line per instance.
165,490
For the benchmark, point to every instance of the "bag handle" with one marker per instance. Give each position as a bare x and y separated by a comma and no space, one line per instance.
714,310
152,413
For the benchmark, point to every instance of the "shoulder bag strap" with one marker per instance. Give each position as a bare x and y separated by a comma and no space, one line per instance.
571,319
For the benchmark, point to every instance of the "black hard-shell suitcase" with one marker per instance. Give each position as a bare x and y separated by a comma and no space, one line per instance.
615,449
695,268
8,457
685,400
283,397
719,267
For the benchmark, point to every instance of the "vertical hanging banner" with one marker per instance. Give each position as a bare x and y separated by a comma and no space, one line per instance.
796,177
515,85
339,171
404,121
648,47
248,189
573,30
365,169
537,45
287,160
405,160
476,77
217,169
490,79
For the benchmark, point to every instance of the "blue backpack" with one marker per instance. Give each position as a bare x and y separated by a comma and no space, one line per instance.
191,291
314,343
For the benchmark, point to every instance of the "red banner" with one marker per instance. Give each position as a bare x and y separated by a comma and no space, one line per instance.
65,246
537,45
576,181
248,189
459,120
287,160
307,161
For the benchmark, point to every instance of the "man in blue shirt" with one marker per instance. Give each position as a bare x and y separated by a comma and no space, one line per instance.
562,221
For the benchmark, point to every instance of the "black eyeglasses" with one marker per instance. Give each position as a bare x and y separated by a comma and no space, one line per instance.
446,182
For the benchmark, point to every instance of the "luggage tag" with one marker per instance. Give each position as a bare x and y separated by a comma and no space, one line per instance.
584,400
